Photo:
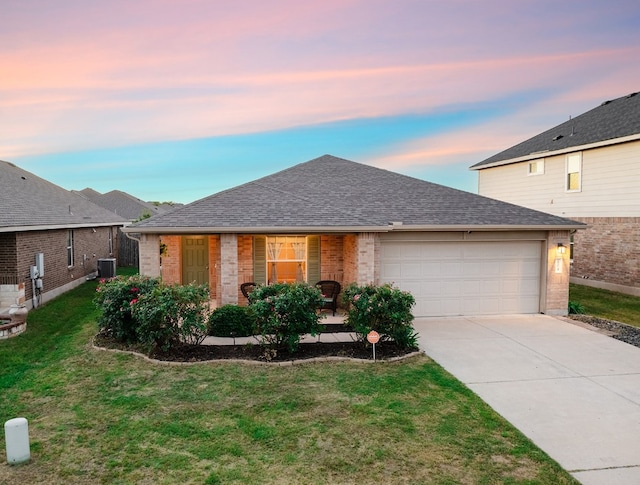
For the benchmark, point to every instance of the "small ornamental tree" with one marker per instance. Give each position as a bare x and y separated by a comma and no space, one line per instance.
284,312
385,309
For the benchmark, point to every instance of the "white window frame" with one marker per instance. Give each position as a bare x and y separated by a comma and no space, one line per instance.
573,164
283,240
70,256
539,167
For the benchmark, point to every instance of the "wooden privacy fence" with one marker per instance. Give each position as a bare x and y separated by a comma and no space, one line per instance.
128,251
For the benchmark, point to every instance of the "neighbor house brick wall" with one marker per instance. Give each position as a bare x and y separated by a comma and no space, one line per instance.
172,259
8,260
608,251
90,244
332,258
557,277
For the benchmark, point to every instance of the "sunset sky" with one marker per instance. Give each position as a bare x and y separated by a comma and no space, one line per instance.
176,100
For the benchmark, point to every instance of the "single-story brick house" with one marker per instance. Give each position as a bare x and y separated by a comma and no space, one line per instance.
46,226
458,253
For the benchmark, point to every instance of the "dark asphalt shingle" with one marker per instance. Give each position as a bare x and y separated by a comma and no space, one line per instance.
333,192
612,119
28,200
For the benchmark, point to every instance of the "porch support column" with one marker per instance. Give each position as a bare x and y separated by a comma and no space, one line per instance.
229,269
149,249
367,269
556,290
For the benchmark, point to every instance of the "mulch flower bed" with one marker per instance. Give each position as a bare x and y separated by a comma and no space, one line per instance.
306,351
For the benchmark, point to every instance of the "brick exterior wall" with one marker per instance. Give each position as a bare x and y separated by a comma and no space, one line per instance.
8,253
90,244
228,269
245,264
332,258
150,255
556,297
350,258
368,258
214,253
172,259
608,251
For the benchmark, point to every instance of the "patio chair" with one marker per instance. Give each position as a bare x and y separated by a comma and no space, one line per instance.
247,288
330,290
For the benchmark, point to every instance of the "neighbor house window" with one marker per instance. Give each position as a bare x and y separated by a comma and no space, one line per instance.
110,241
70,248
536,168
286,259
574,172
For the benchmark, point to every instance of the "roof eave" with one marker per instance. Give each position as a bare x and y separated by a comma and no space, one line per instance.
352,229
51,227
492,227
256,230
550,153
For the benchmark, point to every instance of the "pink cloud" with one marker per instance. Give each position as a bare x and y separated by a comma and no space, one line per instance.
148,71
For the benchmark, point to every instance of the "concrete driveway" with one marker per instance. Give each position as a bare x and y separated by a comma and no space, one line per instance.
574,392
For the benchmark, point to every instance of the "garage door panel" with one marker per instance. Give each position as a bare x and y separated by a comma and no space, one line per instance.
461,278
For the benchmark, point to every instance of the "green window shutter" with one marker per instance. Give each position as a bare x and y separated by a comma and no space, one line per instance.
313,259
260,259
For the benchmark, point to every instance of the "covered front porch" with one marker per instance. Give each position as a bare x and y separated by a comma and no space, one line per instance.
225,261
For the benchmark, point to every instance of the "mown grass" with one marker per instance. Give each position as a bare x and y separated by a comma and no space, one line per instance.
607,304
102,417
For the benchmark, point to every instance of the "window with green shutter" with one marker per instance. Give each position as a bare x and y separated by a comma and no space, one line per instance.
286,259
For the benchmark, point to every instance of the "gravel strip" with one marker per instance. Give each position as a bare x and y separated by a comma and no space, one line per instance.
620,331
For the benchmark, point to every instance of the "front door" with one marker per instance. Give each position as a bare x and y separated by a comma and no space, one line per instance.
195,260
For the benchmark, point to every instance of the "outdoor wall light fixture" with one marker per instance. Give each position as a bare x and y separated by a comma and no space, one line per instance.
560,249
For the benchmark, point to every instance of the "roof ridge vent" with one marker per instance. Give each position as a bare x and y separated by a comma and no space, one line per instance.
605,102
630,95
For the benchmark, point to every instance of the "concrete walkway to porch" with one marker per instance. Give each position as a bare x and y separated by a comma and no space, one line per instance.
573,391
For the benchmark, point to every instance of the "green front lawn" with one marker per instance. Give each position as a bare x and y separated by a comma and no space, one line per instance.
607,304
103,417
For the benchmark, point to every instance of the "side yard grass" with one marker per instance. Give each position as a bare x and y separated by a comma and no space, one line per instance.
607,304
102,417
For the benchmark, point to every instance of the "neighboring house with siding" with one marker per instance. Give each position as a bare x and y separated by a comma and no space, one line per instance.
586,169
458,253
41,218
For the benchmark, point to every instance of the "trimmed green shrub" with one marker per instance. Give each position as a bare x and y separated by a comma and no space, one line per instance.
142,310
170,314
385,309
284,312
115,298
231,321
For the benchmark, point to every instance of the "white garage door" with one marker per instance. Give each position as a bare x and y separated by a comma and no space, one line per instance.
465,278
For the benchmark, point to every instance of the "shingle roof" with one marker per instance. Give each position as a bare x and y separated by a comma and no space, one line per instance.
30,202
126,205
611,120
330,193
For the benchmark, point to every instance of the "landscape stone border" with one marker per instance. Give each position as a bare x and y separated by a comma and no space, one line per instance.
285,363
